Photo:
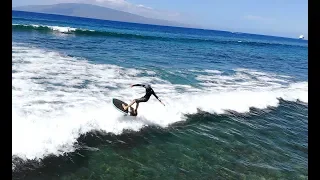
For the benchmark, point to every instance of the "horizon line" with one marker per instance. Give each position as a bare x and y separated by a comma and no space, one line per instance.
197,28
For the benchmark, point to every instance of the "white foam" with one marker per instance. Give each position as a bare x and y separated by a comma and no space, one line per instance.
61,29
212,71
57,98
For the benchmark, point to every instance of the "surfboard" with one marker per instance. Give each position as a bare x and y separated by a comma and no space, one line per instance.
118,105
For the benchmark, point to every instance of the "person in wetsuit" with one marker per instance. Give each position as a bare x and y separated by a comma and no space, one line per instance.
145,98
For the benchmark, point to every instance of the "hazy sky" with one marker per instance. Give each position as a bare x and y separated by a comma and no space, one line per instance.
287,18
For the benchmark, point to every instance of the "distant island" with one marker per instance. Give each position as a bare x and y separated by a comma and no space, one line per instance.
95,12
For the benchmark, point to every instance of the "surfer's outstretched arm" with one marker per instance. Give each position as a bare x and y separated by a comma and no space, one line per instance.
157,98
142,85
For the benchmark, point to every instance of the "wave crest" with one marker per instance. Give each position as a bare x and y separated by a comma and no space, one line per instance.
88,32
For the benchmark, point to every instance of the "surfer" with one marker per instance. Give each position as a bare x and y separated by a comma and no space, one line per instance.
145,98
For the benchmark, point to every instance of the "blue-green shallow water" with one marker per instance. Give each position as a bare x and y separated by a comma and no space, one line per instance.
270,144
63,83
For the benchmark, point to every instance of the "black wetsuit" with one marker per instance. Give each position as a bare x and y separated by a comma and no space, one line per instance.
149,92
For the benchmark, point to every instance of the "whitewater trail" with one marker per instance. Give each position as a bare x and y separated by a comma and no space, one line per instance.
57,98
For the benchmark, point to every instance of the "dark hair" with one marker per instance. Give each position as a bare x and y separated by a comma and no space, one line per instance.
133,112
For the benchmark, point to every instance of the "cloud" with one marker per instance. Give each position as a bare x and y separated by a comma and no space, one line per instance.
115,2
142,6
257,18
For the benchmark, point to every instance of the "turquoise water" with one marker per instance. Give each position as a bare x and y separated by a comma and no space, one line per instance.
236,104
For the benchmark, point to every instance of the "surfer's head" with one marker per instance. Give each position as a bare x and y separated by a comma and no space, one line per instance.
148,86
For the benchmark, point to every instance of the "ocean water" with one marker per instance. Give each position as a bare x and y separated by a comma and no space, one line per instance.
236,103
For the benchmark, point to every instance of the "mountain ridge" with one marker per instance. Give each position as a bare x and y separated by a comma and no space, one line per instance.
95,12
